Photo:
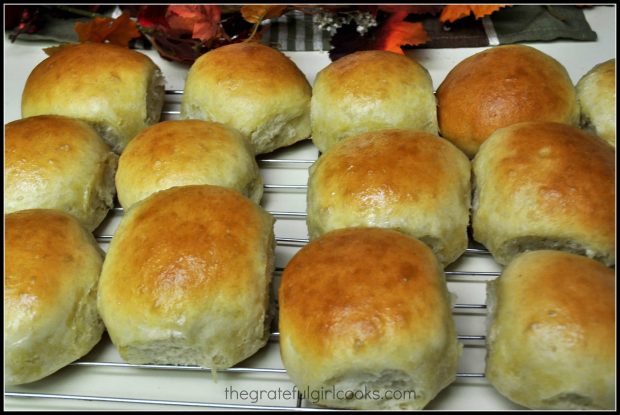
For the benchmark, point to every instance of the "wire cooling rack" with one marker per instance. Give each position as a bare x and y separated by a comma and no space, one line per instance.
286,202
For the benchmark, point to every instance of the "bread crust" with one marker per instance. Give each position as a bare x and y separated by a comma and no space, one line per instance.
55,162
367,307
52,267
117,90
186,152
253,88
551,341
369,91
411,181
500,86
186,278
545,185
596,92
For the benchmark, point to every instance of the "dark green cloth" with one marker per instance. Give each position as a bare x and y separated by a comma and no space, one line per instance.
541,23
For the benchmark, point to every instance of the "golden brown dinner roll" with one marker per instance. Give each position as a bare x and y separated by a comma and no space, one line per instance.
117,90
186,279
368,91
501,86
407,180
366,310
52,266
252,88
551,342
542,185
185,152
55,162
596,92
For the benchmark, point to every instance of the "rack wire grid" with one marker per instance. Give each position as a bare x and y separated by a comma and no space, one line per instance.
286,202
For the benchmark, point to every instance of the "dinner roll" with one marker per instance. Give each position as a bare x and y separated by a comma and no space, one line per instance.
186,279
55,162
178,153
551,342
501,86
411,181
596,92
252,88
369,91
117,90
542,185
52,266
365,321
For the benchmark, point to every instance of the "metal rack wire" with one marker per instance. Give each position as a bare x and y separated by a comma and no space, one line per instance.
475,340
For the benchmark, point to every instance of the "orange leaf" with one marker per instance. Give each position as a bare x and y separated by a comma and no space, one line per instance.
453,13
396,33
257,13
118,31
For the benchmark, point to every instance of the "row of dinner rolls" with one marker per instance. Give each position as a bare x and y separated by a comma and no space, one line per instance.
261,93
56,162
247,86
382,322
186,280
182,286
536,185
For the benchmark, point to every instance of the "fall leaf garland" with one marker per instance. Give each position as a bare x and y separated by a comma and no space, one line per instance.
184,32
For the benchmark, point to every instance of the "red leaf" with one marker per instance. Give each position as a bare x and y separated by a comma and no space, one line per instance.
118,31
396,33
203,22
453,13
152,17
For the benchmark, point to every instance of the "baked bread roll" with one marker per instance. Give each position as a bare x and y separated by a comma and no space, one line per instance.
369,91
186,279
551,341
366,312
52,266
252,88
117,90
596,92
541,185
178,153
501,86
55,162
411,181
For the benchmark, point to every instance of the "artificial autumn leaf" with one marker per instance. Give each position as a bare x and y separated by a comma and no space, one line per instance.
117,31
258,13
203,22
453,13
396,33
152,17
